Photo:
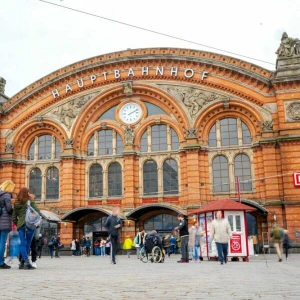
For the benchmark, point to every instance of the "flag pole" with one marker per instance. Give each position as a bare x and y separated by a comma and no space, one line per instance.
238,187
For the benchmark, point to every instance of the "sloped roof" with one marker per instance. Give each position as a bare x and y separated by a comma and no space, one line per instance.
225,204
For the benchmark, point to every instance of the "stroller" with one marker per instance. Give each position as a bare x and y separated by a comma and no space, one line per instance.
152,249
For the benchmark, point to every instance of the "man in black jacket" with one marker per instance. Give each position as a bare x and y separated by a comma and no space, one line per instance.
184,238
113,225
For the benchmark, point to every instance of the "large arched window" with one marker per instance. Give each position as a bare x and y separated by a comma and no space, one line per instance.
108,142
44,147
220,174
96,181
229,132
170,174
242,169
159,138
35,183
150,178
114,180
52,183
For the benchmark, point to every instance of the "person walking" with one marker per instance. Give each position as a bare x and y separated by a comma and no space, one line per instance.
77,253
83,245
51,246
26,234
167,244
173,244
128,244
277,237
73,247
88,245
113,224
220,231
57,246
6,189
194,241
40,245
286,243
184,239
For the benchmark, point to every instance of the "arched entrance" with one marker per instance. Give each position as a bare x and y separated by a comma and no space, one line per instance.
159,217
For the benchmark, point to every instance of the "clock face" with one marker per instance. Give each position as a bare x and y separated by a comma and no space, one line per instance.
130,113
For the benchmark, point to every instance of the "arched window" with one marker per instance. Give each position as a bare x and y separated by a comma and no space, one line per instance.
170,174
114,180
150,178
96,181
212,138
229,134
44,147
105,138
35,183
52,183
220,174
159,137
91,146
246,134
242,169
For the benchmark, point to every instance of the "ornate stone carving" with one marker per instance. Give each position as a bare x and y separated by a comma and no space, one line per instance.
191,133
127,88
267,125
103,125
67,112
69,143
9,148
129,136
226,102
2,85
288,46
293,111
40,121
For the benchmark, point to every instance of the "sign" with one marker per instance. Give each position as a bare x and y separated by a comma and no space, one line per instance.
296,177
129,73
236,243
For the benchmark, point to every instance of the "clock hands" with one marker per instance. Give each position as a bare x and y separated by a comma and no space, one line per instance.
133,112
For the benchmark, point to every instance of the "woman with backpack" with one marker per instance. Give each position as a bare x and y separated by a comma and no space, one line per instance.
26,234
6,189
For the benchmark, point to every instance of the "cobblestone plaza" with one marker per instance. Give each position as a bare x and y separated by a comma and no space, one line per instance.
95,278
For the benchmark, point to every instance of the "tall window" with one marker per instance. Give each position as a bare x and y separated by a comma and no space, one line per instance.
96,181
242,169
162,138
44,147
150,179
52,183
114,180
35,183
220,174
228,132
212,138
108,142
170,174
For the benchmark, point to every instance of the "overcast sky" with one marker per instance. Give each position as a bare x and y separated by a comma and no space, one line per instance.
37,38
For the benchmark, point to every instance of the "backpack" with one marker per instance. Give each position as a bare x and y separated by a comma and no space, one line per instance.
32,217
277,233
150,242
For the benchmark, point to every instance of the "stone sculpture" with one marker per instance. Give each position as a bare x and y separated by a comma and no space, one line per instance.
293,111
127,88
191,133
288,46
2,85
129,136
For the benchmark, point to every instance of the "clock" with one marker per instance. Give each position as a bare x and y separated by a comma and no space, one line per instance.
130,112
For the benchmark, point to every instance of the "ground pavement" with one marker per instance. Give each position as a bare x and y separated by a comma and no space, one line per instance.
88,278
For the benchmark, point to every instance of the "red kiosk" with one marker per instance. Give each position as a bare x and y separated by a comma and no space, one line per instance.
235,212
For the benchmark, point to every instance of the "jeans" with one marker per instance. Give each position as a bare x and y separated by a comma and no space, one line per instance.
102,250
185,248
39,251
3,238
97,251
51,249
138,251
26,236
77,252
222,251
173,247
113,247
57,251
196,252
88,251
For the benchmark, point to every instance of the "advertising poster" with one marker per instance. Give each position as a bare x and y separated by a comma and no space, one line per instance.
203,249
208,224
236,244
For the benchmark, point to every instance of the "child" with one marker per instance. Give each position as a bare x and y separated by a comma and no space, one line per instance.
128,244
14,244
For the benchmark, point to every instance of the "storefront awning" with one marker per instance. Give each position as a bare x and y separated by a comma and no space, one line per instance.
76,214
50,216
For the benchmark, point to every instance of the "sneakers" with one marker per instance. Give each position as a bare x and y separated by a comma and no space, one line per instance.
21,265
183,261
34,265
221,262
5,266
280,260
28,266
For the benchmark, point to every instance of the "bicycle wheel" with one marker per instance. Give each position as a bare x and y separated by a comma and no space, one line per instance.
143,255
157,254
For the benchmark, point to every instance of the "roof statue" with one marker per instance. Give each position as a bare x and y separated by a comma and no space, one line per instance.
288,46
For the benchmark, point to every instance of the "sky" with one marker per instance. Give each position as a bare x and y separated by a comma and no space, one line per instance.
37,38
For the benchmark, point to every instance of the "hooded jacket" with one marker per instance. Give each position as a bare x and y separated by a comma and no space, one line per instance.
5,204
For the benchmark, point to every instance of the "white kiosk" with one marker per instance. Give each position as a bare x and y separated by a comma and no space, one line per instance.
235,212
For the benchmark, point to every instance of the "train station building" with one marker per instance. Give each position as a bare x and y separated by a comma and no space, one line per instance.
157,132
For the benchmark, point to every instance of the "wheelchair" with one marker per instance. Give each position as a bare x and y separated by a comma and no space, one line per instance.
156,255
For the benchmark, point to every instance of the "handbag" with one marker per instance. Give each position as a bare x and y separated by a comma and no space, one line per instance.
32,217
50,244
